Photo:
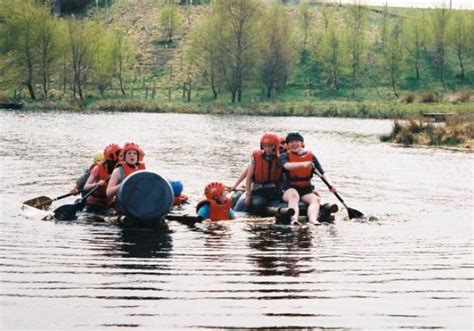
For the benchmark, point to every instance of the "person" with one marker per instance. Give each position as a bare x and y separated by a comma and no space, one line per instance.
217,205
99,175
262,185
81,181
298,166
130,157
179,197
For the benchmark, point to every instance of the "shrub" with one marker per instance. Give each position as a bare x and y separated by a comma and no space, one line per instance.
463,95
428,97
4,97
408,97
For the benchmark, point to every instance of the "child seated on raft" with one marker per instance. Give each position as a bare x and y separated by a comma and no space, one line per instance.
298,165
263,178
217,205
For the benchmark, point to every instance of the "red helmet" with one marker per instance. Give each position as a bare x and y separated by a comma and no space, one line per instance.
112,152
213,190
131,147
270,138
141,154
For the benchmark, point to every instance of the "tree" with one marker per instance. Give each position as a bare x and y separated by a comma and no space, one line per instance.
123,56
204,53
278,50
170,20
355,40
20,33
331,56
80,50
414,39
440,20
306,14
48,45
459,34
393,55
238,42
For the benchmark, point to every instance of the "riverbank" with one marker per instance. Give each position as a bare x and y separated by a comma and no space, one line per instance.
317,108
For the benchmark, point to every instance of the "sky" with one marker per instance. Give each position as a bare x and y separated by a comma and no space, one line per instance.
457,4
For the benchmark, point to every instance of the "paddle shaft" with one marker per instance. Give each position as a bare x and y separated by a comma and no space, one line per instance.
330,187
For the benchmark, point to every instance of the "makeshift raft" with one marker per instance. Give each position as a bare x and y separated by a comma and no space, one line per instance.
145,199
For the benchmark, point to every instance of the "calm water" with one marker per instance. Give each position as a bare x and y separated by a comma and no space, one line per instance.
411,269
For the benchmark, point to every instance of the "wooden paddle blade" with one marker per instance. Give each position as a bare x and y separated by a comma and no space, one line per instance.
41,202
353,213
66,212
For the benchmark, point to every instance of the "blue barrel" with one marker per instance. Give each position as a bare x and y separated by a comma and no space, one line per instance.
144,197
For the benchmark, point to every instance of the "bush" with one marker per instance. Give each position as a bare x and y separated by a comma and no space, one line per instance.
427,97
4,97
463,95
408,97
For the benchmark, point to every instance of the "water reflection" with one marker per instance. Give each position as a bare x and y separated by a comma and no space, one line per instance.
275,248
145,243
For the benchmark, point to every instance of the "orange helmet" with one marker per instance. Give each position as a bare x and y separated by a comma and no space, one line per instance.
283,146
270,138
213,190
131,147
112,152
141,154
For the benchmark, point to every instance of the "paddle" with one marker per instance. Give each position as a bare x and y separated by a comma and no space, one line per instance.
43,202
68,212
353,213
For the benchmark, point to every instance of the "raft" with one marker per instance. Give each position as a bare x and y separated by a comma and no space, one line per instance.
146,199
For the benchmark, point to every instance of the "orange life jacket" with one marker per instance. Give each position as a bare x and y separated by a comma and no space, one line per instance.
217,211
266,171
127,170
300,177
180,200
99,197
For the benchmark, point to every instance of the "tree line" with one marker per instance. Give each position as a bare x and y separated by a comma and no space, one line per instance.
241,45
245,43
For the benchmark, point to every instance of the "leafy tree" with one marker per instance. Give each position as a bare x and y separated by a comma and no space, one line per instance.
81,50
278,49
306,19
21,36
393,55
204,53
355,40
239,42
440,20
414,39
123,56
458,34
332,56
48,46
170,20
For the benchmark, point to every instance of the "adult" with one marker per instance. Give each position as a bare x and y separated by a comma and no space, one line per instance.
129,163
298,165
262,185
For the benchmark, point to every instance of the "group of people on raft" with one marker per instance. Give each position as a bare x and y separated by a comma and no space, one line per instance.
280,170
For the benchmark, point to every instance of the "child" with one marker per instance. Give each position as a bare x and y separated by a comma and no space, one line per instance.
217,205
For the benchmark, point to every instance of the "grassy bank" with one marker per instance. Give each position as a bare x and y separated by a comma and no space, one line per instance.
305,107
458,131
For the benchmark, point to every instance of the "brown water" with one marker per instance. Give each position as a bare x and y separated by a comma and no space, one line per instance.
412,268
